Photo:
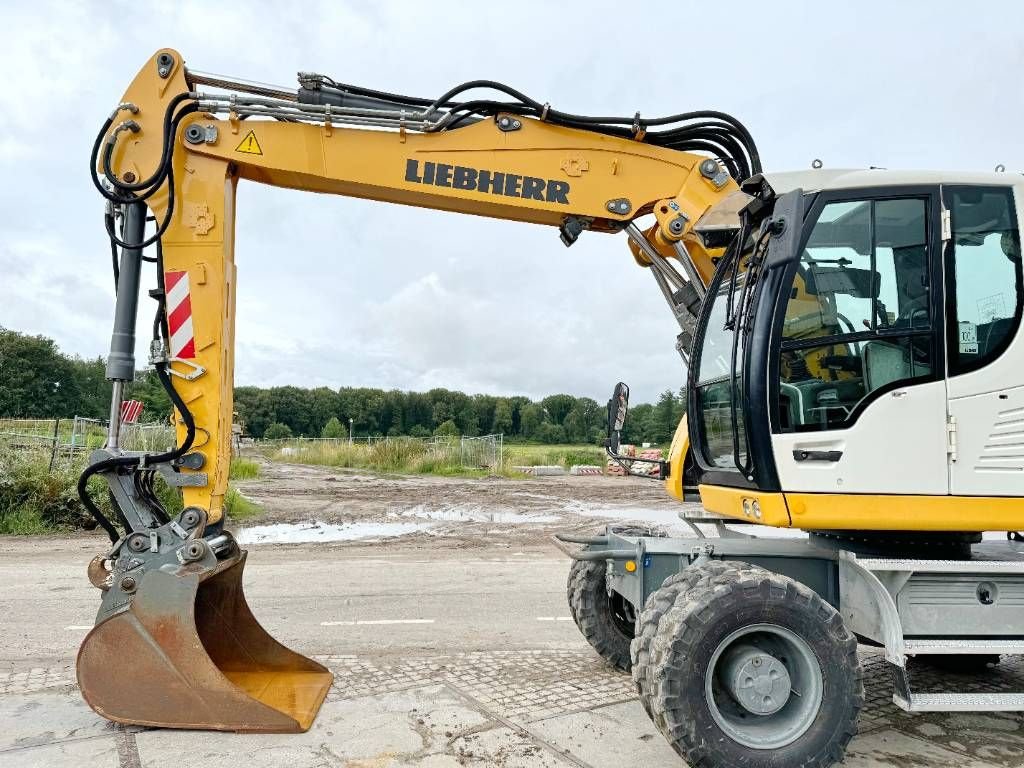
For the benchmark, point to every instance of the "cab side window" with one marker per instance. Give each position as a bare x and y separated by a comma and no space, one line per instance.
858,317
985,253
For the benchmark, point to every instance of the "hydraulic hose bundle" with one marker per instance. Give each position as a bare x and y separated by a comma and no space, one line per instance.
118,193
716,133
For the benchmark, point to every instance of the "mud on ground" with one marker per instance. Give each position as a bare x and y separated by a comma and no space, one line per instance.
310,503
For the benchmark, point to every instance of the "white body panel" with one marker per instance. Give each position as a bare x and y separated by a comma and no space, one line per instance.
988,408
990,443
898,445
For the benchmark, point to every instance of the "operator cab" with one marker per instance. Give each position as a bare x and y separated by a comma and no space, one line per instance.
858,349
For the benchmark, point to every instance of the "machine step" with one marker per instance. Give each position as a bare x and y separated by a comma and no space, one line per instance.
961,702
942,566
936,645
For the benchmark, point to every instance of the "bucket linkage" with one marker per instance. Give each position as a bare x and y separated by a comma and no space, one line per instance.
174,610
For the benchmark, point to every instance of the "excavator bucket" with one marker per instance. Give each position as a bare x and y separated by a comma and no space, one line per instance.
177,647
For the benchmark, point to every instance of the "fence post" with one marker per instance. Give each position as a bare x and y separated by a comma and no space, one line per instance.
53,451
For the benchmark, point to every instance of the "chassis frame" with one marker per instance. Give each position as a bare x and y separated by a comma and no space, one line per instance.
963,599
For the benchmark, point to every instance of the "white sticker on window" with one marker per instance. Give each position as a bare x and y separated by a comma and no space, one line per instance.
968,338
992,308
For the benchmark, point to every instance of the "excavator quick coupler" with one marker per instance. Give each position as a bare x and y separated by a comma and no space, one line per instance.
173,607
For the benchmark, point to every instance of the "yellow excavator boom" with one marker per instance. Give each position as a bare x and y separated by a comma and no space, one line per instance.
537,172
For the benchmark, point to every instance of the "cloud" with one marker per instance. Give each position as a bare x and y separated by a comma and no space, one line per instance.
337,291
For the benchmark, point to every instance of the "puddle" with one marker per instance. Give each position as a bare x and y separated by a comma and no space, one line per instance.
300,533
476,514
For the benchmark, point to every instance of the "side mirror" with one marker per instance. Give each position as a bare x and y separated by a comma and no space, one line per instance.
787,227
618,406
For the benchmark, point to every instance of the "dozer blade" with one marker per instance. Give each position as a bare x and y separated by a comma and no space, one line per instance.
177,647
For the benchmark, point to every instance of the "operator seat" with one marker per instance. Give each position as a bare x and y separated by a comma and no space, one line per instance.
885,361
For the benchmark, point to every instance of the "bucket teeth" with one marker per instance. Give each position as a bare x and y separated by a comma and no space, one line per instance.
197,656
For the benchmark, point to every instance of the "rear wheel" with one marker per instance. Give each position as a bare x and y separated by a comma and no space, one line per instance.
606,621
755,669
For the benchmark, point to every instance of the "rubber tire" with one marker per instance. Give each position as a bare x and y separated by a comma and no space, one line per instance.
590,607
690,632
658,603
960,664
627,530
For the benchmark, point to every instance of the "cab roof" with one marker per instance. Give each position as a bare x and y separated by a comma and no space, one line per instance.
821,179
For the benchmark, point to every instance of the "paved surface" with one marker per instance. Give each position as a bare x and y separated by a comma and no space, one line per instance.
443,656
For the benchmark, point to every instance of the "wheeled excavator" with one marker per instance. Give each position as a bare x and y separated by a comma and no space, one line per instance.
853,357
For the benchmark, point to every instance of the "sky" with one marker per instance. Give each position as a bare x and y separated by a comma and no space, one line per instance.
340,292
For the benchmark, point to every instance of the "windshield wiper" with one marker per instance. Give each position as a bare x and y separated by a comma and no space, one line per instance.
732,262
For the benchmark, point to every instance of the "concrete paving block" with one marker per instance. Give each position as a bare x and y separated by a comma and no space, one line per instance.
541,470
995,737
35,719
506,748
609,737
94,753
893,749
382,731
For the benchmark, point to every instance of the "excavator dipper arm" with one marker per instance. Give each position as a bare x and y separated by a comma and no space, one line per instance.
173,151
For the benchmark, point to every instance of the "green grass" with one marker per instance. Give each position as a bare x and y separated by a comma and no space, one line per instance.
398,455
548,455
22,521
244,469
239,508
169,497
35,500
410,456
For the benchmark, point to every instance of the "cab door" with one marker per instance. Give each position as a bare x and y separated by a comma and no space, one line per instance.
986,356
860,401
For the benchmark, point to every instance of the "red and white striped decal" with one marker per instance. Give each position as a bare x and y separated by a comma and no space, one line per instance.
179,315
130,411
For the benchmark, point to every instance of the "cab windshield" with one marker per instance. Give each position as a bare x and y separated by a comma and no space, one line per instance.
717,383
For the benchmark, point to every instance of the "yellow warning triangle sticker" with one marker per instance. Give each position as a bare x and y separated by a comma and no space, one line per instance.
249,145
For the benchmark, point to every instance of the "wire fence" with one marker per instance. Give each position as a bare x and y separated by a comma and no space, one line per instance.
482,452
67,442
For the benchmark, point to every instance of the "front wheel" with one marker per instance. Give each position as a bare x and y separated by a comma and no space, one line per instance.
606,621
755,669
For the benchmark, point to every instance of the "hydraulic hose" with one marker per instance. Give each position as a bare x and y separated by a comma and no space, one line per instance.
83,494
118,462
167,149
716,132
160,230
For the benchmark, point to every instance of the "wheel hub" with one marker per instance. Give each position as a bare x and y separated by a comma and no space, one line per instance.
764,686
758,681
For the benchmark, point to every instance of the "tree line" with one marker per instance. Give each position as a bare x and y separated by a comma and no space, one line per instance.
38,381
